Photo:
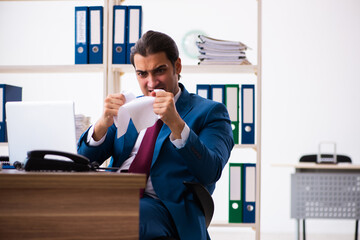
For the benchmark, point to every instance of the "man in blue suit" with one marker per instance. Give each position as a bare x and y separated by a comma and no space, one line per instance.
194,143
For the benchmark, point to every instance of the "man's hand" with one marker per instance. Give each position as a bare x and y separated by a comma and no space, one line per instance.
164,106
112,104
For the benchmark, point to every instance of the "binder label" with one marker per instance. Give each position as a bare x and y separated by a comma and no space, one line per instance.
232,104
250,184
217,95
202,93
95,27
119,36
235,183
248,105
81,27
134,27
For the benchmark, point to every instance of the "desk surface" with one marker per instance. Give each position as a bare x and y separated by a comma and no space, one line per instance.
340,166
103,180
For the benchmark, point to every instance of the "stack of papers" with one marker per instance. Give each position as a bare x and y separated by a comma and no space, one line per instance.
82,123
221,52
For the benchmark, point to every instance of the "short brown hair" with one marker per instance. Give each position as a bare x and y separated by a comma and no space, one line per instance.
154,42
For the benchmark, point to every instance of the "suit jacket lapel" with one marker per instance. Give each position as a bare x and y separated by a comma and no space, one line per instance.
183,105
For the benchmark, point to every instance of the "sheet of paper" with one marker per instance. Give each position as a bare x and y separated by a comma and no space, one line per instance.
139,110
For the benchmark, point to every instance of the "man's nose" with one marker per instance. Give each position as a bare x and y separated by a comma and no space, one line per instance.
152,81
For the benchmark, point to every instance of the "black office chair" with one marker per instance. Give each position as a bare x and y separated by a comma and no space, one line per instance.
313,158
203,198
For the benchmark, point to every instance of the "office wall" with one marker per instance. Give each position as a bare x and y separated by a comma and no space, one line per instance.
310,94
311,73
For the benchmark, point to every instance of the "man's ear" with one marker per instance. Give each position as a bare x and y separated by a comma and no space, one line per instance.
178,66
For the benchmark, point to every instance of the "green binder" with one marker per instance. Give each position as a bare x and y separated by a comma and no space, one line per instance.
232,104
235,193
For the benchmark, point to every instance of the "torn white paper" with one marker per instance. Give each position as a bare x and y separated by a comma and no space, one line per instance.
140,110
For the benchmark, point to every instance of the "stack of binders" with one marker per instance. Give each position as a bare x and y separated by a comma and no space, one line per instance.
89,35
127,29
242,192
229,95
221,52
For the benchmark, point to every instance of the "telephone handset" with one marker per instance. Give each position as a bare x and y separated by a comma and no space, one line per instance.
37,161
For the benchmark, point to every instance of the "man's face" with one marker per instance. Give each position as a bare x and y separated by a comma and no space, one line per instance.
155,71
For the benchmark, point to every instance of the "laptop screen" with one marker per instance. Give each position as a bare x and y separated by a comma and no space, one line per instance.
39,126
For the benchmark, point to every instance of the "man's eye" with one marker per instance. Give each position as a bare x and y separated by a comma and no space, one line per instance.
142,74
161,70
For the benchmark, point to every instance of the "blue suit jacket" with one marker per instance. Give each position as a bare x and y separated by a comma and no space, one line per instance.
202,159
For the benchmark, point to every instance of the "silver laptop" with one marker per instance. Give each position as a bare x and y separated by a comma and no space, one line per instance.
39,126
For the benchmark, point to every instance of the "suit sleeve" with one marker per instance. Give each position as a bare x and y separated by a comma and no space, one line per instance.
209,145
97,153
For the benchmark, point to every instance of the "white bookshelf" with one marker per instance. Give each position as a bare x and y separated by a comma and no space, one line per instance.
53,68
117,71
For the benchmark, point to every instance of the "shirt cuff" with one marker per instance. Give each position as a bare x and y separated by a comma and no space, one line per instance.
180,143
90,140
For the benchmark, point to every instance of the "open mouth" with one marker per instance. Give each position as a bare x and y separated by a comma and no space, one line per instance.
151,90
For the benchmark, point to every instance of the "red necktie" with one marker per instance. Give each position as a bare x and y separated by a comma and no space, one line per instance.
143,158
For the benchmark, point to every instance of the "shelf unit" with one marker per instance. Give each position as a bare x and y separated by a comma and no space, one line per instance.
112,83
52,68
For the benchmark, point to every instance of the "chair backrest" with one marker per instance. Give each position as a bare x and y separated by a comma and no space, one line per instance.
204,199
313,158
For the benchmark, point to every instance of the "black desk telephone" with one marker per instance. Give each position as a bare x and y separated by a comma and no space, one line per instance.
37,161
40,160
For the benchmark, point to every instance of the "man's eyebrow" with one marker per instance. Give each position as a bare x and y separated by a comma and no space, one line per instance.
152,70
161,66
140,71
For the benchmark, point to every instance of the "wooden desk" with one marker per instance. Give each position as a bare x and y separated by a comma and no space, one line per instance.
54,205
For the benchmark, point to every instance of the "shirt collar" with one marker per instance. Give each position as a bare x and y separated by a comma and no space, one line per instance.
176,97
